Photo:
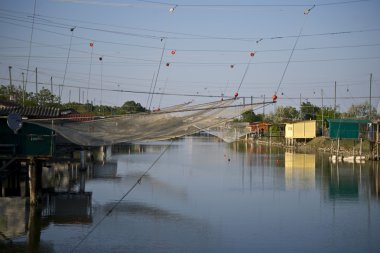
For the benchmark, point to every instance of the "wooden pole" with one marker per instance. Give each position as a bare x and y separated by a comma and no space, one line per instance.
32,183
337,150
377,141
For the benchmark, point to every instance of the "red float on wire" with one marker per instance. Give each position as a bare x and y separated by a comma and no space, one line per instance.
173,52
236,94
252,54
274,97
91,44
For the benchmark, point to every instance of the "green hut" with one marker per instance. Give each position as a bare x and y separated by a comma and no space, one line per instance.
347,128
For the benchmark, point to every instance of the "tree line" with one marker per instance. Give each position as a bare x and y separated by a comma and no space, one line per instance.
45,98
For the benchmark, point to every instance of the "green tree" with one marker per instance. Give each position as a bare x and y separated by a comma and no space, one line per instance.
250,116
132,107
45,98
285,113
309,111
360,111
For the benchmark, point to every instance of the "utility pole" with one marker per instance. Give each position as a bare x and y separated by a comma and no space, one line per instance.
51,85
11,97
334,98
79,96
370,96
300,106
23,89
10,78
101,80
51,89
322,113
264,106
36,82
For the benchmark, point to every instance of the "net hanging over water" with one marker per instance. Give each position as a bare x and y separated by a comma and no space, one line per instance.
176,121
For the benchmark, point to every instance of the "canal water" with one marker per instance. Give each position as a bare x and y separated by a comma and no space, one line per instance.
201,195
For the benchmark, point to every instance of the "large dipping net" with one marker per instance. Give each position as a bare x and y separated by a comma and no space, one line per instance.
177,121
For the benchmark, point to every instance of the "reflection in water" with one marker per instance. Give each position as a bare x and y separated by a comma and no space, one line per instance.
344,182
299,171
12,219
63,200
202,196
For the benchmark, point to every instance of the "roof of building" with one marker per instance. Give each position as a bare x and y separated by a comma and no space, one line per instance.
31,111
356,121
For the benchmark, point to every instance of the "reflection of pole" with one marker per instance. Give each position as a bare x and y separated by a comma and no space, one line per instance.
82,173
34,229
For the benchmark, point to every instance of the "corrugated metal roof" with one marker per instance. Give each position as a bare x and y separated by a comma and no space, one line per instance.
31,111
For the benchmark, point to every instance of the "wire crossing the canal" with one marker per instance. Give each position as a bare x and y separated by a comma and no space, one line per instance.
138,181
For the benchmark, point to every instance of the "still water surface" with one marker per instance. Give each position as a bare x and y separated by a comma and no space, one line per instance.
209,196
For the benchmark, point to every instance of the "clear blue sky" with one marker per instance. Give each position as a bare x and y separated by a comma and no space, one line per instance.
340,41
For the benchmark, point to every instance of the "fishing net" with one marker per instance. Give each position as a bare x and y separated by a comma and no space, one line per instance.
176,121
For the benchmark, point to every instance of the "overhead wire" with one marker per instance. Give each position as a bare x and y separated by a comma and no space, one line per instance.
273,37
192,36
180,5
306,13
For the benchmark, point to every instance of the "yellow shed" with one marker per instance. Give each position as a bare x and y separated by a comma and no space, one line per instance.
301,130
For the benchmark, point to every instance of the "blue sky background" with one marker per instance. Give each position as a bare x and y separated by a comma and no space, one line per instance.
340,41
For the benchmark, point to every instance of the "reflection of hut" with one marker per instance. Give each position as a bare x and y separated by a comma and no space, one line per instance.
299,170
12,218
259,129
343,183
106,170
347,128
69,208
302,130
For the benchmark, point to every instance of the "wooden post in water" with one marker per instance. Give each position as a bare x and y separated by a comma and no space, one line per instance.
377,141
32,183
35,181
34,229
337,150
